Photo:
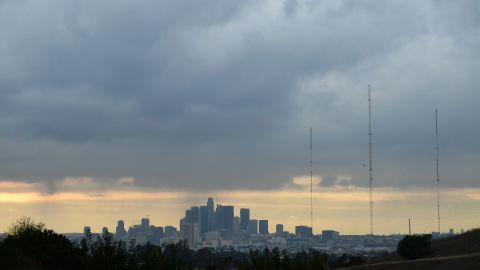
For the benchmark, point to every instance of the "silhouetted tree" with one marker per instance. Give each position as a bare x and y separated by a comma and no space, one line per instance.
30,245
413,247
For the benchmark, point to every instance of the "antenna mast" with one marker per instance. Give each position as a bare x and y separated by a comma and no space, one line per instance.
370,154
311,181
409,227
438,177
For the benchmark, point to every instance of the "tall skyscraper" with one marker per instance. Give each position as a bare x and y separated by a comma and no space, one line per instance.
252,226
188,216
211,213
236,224
120,232
183,221
218,217
244,218
228,214
263,226
195,214
224,217
210,204
203,219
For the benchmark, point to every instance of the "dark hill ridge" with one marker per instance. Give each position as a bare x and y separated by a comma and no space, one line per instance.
465,243
457,262
457,252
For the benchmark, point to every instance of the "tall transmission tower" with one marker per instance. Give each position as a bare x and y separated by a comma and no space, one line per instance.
438,177
311,181
370,169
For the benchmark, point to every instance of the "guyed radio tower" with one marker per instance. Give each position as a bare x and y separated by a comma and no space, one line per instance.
438,177
311,181
370,169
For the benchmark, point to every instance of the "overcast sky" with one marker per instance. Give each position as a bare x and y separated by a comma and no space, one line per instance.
213,95
114,109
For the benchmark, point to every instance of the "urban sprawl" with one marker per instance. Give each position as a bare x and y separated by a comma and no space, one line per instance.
218,228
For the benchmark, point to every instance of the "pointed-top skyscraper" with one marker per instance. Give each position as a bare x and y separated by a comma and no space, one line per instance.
211,212
210,205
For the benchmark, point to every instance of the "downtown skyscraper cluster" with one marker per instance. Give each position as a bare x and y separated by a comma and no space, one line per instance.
210,223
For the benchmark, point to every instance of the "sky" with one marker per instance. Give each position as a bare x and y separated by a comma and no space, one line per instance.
116,109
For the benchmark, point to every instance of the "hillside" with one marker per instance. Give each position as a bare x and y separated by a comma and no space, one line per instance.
456,252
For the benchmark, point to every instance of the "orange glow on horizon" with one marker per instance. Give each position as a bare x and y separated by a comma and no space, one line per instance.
344,208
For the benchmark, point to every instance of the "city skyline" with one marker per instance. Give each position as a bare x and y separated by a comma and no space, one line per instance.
105,118
338,212
215,227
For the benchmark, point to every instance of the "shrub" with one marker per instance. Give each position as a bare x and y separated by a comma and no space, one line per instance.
413,247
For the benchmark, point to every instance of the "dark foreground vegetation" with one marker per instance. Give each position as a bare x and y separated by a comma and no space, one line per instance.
30,245
413,247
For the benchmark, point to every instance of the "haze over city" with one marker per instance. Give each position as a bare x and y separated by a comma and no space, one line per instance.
121,109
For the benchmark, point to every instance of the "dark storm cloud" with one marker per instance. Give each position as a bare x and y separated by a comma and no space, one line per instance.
221,95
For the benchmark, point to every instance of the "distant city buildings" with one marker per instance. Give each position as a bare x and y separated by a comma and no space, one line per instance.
236,225
87,231
211,213
204,219
330,241
252,227
303,231
244,218
145,223
279,228
170,231
215,225
156,234
263,226
120,232
330,234
104,232
191,233
141,233
224,217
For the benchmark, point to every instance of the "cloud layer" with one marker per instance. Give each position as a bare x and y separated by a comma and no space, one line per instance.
188,95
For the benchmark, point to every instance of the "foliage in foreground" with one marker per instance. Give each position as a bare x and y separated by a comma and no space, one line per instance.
413,247
30,245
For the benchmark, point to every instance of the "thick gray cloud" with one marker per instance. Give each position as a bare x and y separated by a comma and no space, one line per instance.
187,94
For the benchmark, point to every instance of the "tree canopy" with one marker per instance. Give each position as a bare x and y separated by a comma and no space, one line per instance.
413,247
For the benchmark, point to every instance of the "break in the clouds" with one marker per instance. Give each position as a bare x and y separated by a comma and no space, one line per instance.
220,94
79,202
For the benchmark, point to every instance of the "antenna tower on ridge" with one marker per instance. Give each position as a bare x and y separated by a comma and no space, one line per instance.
438,177
311,181
370,169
